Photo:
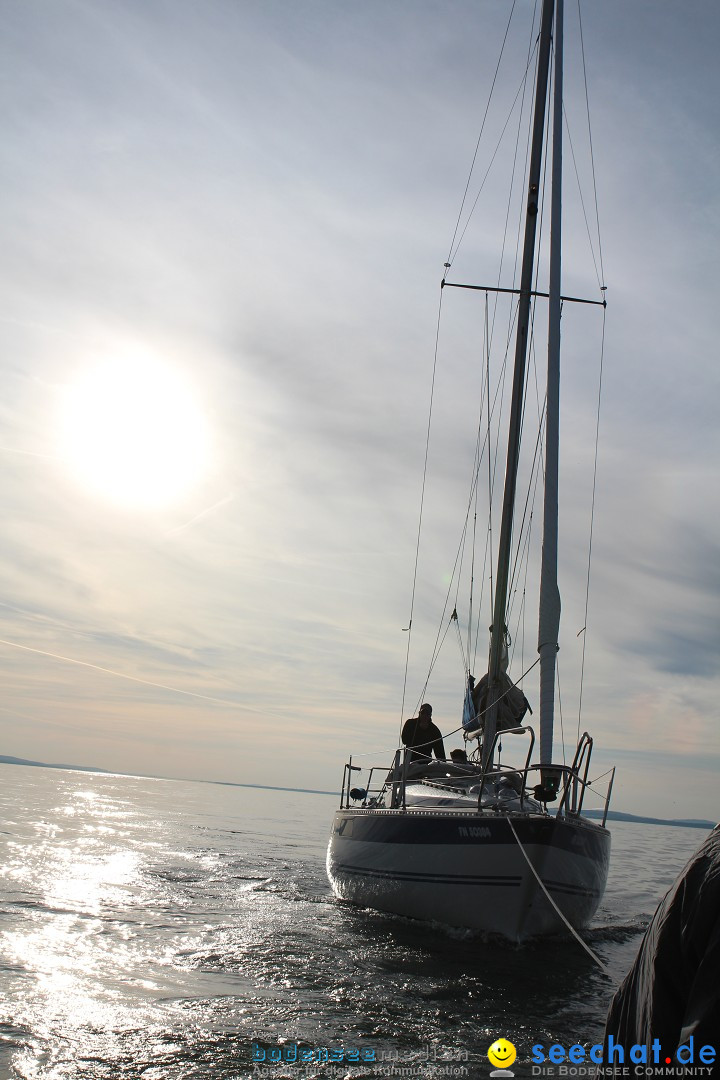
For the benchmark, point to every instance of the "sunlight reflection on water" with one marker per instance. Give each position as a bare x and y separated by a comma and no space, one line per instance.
154,929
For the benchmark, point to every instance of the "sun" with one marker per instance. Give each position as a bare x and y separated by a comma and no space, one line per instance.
132,431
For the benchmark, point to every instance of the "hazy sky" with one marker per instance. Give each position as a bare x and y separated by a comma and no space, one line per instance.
223,226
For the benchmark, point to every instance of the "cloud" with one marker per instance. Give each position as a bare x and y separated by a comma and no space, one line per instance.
263,195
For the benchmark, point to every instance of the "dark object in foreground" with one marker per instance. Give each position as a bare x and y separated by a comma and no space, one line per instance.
672,991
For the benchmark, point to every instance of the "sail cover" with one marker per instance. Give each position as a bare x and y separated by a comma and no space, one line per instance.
512,705
470,721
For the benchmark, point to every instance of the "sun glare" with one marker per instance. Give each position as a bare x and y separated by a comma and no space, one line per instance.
132,432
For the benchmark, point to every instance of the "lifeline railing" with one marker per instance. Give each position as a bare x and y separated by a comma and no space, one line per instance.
569,783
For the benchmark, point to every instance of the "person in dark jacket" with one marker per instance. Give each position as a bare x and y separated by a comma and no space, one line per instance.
672,991
423,736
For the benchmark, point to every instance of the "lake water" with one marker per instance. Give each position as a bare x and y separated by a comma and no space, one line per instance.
156,929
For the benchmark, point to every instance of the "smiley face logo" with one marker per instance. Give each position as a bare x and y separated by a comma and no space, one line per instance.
502,1053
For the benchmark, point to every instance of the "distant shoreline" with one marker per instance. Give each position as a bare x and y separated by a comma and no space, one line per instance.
613,815
5,759
619,815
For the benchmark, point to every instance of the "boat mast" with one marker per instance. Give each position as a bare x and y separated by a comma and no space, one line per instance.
499,629
549,620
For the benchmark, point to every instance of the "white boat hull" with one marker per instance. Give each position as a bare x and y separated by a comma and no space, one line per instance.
467,869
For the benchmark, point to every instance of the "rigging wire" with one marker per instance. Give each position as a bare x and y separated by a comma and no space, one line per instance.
453,253
535,471
493,459
400,746
476,645
457,566
454,577
599,269
474,491
592,155
592,520
489,444
422,504
532,486
479,453
524,558
532,51
479,138
531,341
513,309
598,272
439,642
465,659
560,708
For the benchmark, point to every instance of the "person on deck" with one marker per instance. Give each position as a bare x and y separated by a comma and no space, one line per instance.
423,737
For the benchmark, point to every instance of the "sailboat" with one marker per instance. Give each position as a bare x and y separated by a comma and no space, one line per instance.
505,849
